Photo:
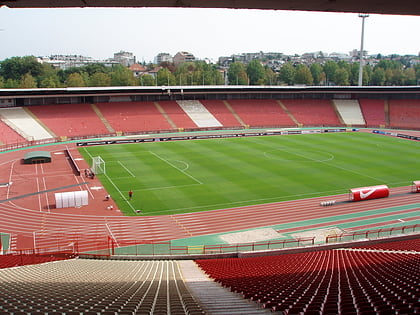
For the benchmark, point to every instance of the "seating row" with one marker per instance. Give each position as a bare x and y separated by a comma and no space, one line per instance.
76,120
332,281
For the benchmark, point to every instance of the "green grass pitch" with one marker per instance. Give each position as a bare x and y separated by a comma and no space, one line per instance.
199,175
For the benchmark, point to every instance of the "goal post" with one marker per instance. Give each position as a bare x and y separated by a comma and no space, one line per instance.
98,165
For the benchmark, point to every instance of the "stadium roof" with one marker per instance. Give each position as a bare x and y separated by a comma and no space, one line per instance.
404,7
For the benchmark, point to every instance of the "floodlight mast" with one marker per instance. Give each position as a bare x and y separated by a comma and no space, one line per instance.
363,16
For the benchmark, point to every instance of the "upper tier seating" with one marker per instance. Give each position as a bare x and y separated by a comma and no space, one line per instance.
177,114
8,135
373,112
220,110
313,112
70,120
261,113
133,116
404,113
330,281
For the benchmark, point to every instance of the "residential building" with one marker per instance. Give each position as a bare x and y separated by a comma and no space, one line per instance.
182,57
163,57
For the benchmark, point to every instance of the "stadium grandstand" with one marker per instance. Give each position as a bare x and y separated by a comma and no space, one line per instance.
316,255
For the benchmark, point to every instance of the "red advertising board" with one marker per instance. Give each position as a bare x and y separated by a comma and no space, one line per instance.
365,193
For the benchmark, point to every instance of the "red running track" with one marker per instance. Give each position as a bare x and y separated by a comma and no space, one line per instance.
93,226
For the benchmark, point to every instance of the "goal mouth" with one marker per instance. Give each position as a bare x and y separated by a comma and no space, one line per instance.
98,165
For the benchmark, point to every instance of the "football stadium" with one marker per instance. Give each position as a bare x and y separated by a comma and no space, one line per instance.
211,199
214,199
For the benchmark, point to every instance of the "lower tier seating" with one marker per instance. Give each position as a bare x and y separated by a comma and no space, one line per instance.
331,281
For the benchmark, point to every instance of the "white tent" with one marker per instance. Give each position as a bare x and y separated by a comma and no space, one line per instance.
71,199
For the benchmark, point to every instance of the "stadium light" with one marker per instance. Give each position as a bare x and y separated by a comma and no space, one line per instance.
363,16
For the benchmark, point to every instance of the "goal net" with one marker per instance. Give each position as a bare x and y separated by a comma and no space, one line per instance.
98,165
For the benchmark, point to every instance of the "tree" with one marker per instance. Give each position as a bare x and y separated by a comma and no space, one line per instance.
287,74
237,74
48,77
122,76
341,77
100,79
330,67
378,77
14,68
316,71
48,82
303,75
255,72
75,80
27,81
11,84
147,80
270,75
1,82
409,76
165,77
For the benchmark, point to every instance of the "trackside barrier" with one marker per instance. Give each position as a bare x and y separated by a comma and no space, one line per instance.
371,234
165,248
108,247
35,256
73,163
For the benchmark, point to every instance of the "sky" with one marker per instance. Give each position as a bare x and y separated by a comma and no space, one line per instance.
206,33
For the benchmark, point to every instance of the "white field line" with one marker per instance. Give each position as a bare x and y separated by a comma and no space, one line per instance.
182,171
119,191
336,166
10,179
128,171
39,195
46,194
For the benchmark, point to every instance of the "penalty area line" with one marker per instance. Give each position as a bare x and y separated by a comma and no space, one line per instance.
128,171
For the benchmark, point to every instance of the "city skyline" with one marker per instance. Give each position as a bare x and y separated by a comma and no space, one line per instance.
206,33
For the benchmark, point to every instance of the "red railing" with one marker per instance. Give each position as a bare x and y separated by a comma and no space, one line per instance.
371,234
35,256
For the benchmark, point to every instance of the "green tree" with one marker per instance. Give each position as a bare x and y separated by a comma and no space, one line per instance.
287,74
270,75
48,77
100,79
147,80
122,76
255,72
354,73
27,82
14,68
1,82
165,77
303,75
75,80
330,67
11,84
237,74
341,77
316,71
378,77
48,82
409,76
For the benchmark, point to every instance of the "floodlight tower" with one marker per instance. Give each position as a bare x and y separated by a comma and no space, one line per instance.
363,16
